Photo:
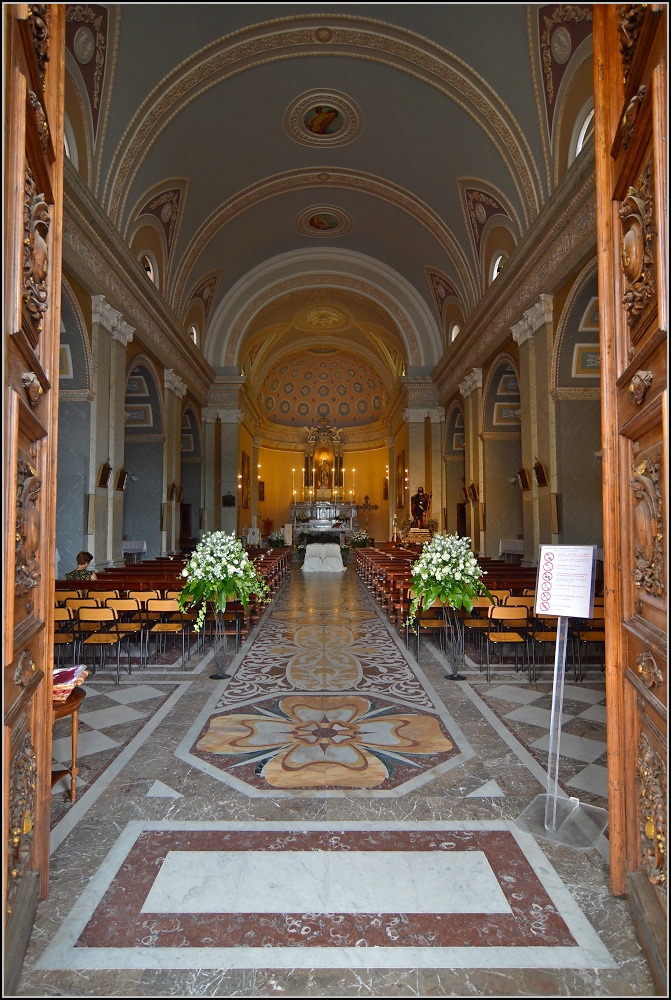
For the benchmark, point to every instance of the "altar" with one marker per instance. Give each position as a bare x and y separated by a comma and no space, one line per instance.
319,516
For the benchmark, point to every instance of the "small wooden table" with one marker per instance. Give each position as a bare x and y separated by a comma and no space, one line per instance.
61,710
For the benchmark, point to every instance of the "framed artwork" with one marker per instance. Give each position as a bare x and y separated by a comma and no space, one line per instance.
523,479
228,500
464,490
586,361
385,489
506,414
180,494
121,480
474,492
245,466
104,476
540,474
262,491
65,362
172,491
400,479
139,415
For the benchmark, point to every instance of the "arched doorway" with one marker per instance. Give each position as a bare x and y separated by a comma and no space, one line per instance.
145,494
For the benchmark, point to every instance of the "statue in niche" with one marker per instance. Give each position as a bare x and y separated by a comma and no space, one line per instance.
324,473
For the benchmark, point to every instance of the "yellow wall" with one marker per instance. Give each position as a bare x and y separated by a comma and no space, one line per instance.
370,469
275,472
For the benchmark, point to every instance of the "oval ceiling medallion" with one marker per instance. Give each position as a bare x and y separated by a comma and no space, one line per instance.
323,118
324,220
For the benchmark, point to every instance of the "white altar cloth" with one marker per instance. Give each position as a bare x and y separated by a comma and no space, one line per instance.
323,558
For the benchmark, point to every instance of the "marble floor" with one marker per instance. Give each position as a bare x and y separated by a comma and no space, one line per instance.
333,819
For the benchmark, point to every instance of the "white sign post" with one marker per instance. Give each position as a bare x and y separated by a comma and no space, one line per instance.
565,589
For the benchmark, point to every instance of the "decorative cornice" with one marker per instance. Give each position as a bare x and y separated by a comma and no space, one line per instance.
471,382
111,320
76,395
231,416
418,414
532,320
209,414
174,383
560,238
575,392
95,253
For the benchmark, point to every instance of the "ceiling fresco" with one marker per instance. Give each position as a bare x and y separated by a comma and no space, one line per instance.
355,125
322,384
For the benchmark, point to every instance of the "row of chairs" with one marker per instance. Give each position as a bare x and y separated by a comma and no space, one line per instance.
507,623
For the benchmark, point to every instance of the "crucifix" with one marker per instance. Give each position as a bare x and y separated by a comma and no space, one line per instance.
367,506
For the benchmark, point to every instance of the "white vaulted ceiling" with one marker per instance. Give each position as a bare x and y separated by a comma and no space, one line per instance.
196,98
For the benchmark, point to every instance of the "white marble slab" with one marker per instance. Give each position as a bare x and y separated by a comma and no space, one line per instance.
116,715
62,953
490,790
161,791
88,744
535,716
521,695
595,713
593,778
325,882
577,747
129,695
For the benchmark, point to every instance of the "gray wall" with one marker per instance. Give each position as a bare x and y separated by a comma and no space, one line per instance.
143,498
74,429
503,502
578,424
190,483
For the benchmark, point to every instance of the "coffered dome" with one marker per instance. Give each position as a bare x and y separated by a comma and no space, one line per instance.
322,384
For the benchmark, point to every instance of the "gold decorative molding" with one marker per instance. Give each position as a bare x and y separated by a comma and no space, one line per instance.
38,21
648,522
649,672
27,572
630,22
21,815
639,386
651,786
351,36
636,257
26,669
40,121
36,223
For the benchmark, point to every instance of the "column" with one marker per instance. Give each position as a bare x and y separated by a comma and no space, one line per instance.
471,391
436,428
230,420
208,416
174,392
256,441
415,417
391,488
533,335
110,338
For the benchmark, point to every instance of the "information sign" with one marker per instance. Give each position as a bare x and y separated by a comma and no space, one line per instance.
565,584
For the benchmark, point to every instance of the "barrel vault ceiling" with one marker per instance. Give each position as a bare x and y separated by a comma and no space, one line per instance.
283,132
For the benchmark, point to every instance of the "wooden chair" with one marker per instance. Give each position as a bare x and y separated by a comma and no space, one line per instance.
507,626
500,596
131,621
591,631
61,596
167,620
477,622
64,634
104,634
430,621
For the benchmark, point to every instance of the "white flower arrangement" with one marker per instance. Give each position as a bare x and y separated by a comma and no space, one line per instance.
276,539
447,571
359,539
219,569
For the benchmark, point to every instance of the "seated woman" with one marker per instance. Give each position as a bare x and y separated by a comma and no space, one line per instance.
84,560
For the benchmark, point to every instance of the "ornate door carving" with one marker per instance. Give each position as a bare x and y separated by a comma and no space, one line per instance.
34,82
631,164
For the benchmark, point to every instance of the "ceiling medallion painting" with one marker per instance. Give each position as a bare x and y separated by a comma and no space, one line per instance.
309,387
324,220
322,316
323,118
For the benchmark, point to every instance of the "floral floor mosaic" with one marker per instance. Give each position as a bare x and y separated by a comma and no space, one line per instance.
332,819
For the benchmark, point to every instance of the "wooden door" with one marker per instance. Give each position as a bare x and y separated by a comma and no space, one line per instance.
631,171
34,61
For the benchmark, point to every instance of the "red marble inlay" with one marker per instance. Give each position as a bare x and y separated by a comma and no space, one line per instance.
119,923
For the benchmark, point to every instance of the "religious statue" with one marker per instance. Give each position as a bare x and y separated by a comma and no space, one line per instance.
419,507
324,472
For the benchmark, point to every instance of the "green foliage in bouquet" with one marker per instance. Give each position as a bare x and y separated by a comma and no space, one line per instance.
446,571
219,570
359,539
276,539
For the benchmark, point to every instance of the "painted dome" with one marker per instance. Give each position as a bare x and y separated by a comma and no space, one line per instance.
322,384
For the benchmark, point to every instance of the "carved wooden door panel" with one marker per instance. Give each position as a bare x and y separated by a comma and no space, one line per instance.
630,101
34,39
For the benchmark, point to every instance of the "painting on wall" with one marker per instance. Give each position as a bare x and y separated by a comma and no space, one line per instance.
586,361
262,491
506,414
136,385
323,119
245,480
400,479
139,415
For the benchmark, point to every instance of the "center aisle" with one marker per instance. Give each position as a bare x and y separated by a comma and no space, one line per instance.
322,824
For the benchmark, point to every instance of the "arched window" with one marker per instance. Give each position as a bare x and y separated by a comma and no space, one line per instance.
453,333
193,333
582,130
69,143
498,263
148,266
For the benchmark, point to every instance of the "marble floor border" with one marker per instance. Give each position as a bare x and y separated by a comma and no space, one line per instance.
86,801
62,952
